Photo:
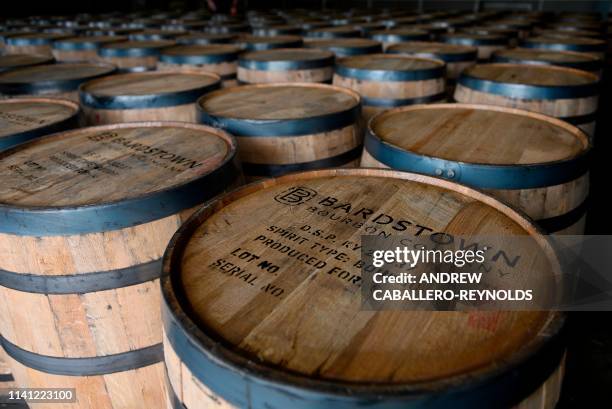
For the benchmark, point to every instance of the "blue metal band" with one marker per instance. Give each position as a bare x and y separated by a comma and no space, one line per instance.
528,91
253,46
475,41
448,58
10,141
398,38
270,170
78,45
199,58
594,65
145,101
64,221
134,51
57,86
482,176
281,127
90,366
81,283
386,75
280,65
564,46
244,383
24,42
346,50
580,119
390,102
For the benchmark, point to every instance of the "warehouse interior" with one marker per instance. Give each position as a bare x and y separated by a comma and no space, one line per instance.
588,371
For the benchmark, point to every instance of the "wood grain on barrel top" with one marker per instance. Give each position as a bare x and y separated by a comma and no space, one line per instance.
567,40
38,36
278,101
140,44
389,62
412,47
18,60
547,55
340,42
253,39
195,49
93,39
531,74
148,83
317,328
479,134
104,164
20,115
55,72
288,54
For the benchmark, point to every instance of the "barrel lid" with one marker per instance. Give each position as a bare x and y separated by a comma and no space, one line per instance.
13,61
257,43
34,39
479,145
134,48
282,59
278,29
495,30
280,109
346,46
86,42
227,28
572,43
562,33
200,54
22,119
111,177
399,34
475,39
530,81
155,89
203,38
64,77
332,32
443,51
309,341
583,61
390,67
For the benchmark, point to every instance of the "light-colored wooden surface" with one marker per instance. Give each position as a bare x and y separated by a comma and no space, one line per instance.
317,328
491,135
126,62
13,61
104,322
26,114
547,56
36,49
427,49
90,54
55,72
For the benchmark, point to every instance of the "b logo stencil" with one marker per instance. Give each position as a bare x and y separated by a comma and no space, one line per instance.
295,196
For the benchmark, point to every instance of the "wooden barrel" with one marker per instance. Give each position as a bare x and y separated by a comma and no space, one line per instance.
485,43
564,33
13,61
532,161
456,57
571,59
258,43
367,28
398,35
286,65
51,80
205,39
34,43
593,46
134,56
22,119
82,48
346,47
285,128
145,96
228,28
220,59
278,30
334,32
511,34
86,216
296,336
391,80
565,93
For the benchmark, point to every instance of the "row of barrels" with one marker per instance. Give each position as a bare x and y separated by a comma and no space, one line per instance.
87,215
